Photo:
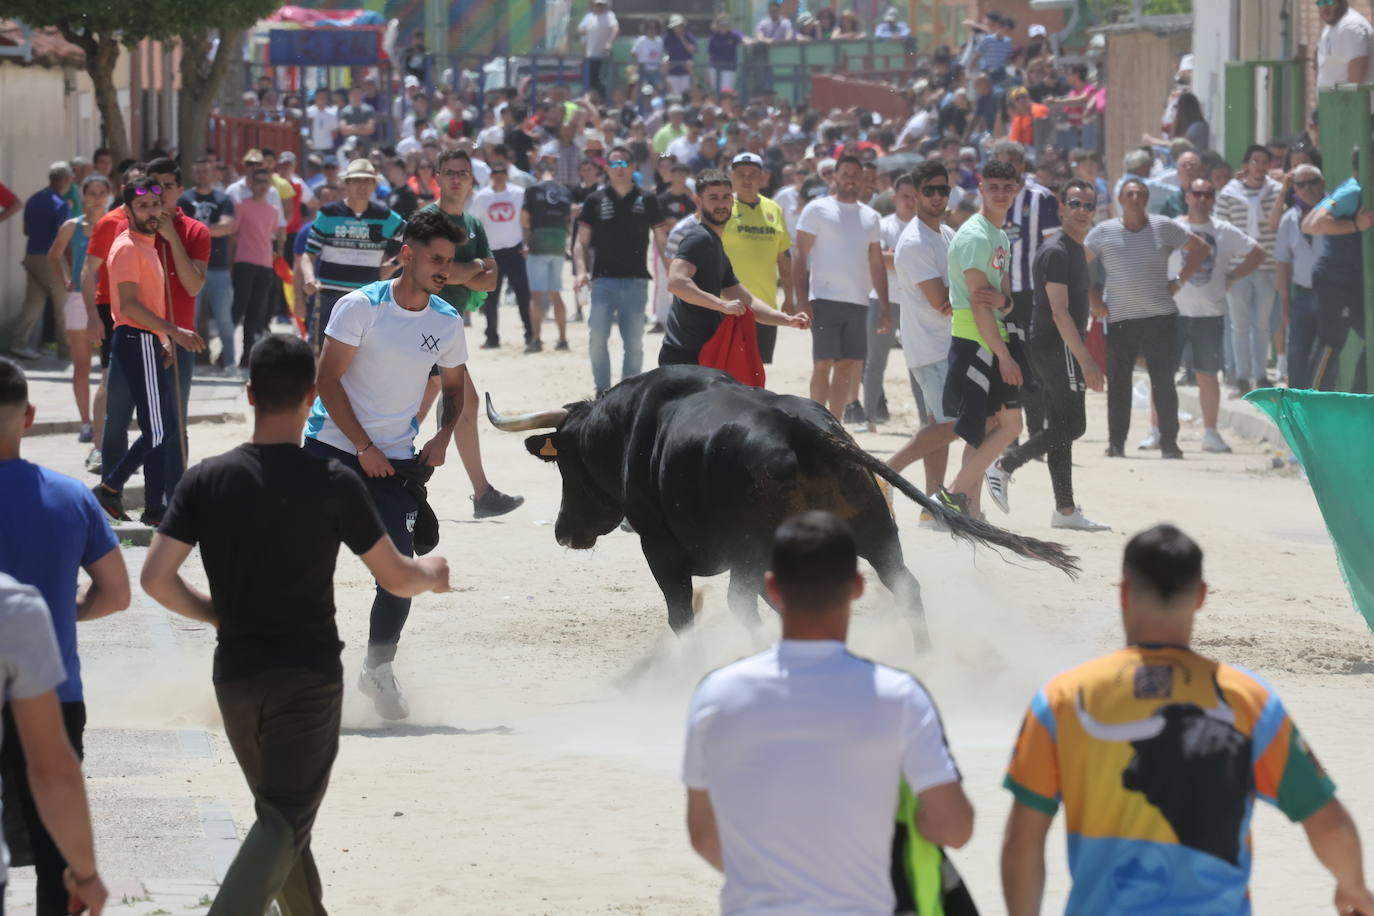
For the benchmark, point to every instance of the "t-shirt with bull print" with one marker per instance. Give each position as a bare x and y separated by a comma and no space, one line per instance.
386,380
1157,754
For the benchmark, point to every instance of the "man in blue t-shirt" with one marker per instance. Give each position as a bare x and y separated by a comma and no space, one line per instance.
51,527
1338,275
44,214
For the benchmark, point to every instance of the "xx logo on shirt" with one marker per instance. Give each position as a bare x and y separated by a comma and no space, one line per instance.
502,211
429,342
999,259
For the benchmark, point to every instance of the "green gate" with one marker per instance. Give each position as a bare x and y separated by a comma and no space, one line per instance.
1264,99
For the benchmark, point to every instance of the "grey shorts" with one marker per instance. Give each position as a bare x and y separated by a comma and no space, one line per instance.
839,330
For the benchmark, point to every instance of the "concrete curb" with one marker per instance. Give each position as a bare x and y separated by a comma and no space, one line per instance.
58,427
1237,416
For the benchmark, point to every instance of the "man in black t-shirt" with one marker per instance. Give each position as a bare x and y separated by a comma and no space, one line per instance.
521,144
269,520
615,224
699,275
1061,361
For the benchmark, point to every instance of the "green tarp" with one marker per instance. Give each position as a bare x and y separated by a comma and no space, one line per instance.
1332,434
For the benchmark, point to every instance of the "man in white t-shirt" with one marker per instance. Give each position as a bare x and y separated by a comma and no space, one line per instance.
381,344
1344,47
324,123
921,263
1202,300
498,206
792,755
835,236
598,29
890,228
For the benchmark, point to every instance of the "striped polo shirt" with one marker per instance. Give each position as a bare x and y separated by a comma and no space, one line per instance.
1032,220
1137,266
1248,210
350,248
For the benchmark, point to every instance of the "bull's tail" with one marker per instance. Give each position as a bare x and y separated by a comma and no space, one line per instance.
959,526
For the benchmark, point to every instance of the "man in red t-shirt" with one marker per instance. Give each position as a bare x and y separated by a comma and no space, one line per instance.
10,204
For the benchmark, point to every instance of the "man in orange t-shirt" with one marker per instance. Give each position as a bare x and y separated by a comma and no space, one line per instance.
1024,114
140,348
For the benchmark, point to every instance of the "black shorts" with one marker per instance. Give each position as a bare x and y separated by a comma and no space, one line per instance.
839,330
1206,335
974,389
107,322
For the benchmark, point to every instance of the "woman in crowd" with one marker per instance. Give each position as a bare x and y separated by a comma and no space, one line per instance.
850,27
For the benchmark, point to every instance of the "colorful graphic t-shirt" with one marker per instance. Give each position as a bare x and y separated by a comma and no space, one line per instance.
1157,754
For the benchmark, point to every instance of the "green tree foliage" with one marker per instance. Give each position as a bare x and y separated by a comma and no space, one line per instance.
101,27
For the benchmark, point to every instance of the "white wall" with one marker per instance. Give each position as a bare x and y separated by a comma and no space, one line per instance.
1214,44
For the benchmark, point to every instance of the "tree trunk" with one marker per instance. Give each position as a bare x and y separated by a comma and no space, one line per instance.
102,53
200,83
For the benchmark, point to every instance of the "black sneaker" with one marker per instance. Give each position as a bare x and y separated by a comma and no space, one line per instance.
656,328
561,345
1171,452
534,346
1115,451
111,502
493,503
881,415
151,519
954,502
490,344
854,413
1186,379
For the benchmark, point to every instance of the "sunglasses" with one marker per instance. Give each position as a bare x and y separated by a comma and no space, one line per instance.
1309,183
1080,205
1205,195
151,189
935,190
619,163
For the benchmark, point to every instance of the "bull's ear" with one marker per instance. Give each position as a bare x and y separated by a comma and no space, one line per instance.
542,447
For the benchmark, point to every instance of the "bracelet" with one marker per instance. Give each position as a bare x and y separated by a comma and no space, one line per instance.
365,447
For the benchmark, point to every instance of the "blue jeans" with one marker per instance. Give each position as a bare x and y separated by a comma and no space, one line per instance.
1252,305
217,295
1302,337
620,301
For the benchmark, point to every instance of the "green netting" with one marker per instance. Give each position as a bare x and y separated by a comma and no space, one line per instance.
1332,434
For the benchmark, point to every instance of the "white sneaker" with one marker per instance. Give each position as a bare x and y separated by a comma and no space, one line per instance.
381,685
1212,442
93,461
1076,521
999,483
1150,441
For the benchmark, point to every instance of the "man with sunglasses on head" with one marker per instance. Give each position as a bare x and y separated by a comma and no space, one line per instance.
144,333
616,223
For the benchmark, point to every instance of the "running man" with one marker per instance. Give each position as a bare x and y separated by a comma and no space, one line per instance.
921,265
983,387
544,217
1061,361
471,279
792,754
700,274
269,518
379,348
1157,754
758,244
144,333
835,236
51,530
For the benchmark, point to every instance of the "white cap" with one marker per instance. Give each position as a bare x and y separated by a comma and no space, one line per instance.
1036,30
747,159
412,81
1185,64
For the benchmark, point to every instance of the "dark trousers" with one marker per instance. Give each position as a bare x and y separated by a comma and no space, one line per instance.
398,511
138,354
768,340
1018,323
1302,337
510,268
252,303
52,896
283,725
1157,339
595,66
324,308
1061,395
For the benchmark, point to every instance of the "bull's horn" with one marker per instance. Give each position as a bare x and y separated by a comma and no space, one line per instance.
544,419
1141,730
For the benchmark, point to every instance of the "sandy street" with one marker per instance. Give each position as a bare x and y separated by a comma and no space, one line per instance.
532,778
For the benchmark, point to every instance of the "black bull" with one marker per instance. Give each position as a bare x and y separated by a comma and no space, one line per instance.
705,469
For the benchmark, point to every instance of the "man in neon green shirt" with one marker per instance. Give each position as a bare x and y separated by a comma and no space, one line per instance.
983,389
757,243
